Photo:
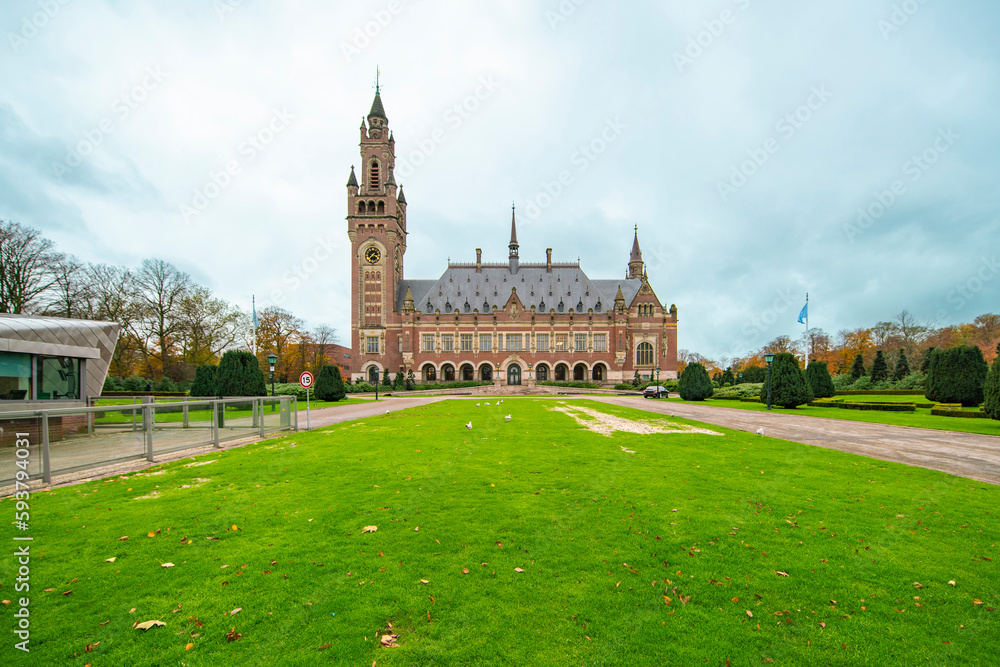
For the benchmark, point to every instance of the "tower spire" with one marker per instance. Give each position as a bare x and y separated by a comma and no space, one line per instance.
635,264
513,245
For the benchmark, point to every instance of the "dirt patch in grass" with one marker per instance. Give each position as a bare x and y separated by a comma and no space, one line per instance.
605,424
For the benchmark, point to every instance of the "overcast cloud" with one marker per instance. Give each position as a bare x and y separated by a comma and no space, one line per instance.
741,136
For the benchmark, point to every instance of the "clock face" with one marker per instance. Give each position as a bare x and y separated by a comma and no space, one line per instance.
373,255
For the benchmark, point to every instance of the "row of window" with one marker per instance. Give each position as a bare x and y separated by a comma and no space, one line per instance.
514,342
644,353
561,307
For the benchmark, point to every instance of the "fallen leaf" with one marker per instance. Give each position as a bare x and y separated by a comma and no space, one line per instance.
749,613
189,647
517,569
69,592
233,636
369,529
234,528
735,600
465,570
822,624
167,565
781,574
151,534
146,625
424,581
917,584
123,538
976,602
951,583
324,646
131,610
236,611
105,622
111,560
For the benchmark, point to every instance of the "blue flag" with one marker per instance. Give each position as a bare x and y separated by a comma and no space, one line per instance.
804,314
254,313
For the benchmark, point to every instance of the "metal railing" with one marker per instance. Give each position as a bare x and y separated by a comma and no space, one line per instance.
65,440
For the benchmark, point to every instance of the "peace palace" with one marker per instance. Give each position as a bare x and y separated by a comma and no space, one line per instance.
510,324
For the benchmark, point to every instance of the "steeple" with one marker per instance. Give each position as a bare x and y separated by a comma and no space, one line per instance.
352,182
620,300
513,246
401,198
377,110
635,263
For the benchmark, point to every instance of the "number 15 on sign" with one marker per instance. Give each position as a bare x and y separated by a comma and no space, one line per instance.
306,380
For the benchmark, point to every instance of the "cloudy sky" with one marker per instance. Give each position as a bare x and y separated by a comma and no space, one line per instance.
764,149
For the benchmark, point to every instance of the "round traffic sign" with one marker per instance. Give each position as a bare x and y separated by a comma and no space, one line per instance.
306,379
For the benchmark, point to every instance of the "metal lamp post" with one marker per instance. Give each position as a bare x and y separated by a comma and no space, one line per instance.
768,358
376,382
656,370
272,359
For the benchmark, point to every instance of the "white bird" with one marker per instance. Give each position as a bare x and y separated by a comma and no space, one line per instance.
386,412
507,418
487,402
760,431
477,405
469,426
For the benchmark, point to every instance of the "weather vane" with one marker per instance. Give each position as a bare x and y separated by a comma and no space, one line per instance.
376,80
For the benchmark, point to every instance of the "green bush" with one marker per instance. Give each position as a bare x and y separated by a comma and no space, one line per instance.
135,383
752,375
329,384
239,374
694,383
818,376
111,383
991,391
843,381
747,390
902,366
206,381
858,368
789,388
957,375
880,369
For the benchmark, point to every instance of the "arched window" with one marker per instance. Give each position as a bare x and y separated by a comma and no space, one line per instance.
486,373
371,207
430,308
561,373
429,373
361,208
644,354
560,307
579,373
541,306
486,307
542,373
373,374
579,306
597,374
468,308
373,180
597,308
468,373
447,306
381,207
449,373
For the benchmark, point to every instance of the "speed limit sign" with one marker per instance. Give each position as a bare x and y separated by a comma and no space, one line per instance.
306,379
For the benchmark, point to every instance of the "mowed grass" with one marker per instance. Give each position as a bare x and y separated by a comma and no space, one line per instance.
920,418
611,544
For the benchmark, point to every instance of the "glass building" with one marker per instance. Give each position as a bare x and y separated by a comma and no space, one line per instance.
44,359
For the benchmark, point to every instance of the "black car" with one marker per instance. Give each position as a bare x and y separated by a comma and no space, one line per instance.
655,392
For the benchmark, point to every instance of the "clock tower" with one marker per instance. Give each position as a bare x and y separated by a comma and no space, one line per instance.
376,226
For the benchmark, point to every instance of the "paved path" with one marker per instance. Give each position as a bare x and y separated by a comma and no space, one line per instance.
965,454
336,414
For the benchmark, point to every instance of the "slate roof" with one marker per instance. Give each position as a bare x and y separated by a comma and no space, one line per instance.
567,283
377,110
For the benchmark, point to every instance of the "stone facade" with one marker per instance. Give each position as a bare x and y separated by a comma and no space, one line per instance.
512,324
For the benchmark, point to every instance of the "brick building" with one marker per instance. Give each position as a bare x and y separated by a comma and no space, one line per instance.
513,323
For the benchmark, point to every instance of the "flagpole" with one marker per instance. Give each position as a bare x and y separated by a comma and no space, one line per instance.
253,305
807,330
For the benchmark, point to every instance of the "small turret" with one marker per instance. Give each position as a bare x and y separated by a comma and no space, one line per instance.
408,301
513,246
635,263
620,304
352,182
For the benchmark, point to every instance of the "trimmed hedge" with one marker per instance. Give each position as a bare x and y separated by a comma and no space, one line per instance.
968,414
161,394
880,407
364,387
575,385
880,392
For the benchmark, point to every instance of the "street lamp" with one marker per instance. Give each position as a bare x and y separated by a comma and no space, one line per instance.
768,358
375,371
272,359
656,370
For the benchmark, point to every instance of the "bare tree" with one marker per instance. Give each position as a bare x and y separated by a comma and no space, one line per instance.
162,289
208,326
881,333
71,292
324,337
26,263
911,331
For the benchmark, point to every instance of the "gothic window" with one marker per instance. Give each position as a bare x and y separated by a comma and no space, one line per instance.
430,308
447,306
486,307
560,307
371,207
373,180
381,207
541,306
373,298
468,308
644,355
579,306
597,308
361,208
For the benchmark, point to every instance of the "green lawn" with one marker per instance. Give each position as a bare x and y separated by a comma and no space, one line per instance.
921,418
710,524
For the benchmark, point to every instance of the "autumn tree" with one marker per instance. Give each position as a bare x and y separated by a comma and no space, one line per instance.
277,332
27,262
207,326
161,289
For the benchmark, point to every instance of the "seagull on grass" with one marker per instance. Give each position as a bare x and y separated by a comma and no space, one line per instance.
760,431
469,426
507,418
